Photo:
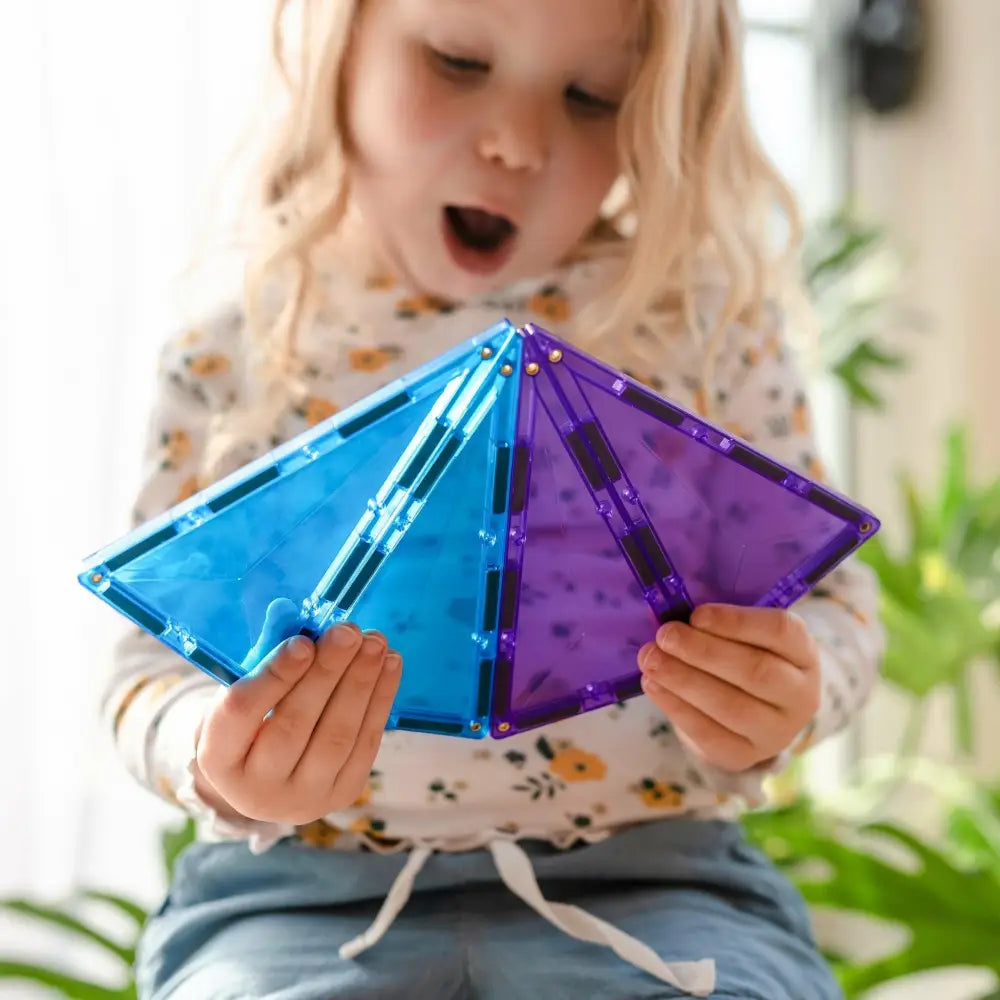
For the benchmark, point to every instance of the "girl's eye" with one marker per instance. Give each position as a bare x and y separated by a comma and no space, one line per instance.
590,103
459,64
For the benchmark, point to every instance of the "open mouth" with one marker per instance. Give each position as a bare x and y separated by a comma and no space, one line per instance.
479,240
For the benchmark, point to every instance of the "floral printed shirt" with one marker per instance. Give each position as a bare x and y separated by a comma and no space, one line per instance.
581,778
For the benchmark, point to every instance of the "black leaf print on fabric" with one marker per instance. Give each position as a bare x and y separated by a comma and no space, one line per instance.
545,785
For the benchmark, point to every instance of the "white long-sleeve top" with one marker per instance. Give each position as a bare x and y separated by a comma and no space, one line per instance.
577,779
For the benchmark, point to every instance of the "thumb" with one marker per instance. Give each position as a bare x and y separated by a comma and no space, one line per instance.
281,621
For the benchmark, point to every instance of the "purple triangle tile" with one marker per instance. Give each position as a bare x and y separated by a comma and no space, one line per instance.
572,615
738,526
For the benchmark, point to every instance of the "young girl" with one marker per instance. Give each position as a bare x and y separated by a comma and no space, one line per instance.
586,164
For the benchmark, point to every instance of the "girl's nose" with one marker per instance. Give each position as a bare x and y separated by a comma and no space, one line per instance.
516,136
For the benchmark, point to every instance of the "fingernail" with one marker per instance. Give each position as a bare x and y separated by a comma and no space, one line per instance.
343,636
666,637
299,648
393,662
373,645
377,636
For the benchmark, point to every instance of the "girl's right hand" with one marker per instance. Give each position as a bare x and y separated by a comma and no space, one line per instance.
326,706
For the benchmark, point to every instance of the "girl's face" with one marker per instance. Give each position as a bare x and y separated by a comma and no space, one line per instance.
481,133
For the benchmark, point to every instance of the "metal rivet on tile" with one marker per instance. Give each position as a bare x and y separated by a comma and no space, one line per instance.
97,577
555,355
532,368
486,352
507,370
475,726
504,727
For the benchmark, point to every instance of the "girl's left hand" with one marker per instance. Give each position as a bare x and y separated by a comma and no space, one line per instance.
738,684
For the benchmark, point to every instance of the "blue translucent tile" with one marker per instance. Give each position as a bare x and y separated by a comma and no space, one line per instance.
437,595
203,576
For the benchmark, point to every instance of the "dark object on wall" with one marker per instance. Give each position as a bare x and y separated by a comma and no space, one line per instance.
888,42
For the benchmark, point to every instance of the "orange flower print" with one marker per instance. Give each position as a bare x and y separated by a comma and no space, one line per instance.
125,703
319,833
163,684
372,359
380,282
671,302
572,764
191,338
814,468
738,430
418,305
364,798
822,593
701,401
166,789
177,448
658,795
800,415
208,365
551,304
187,489
316,409
578,765
366,826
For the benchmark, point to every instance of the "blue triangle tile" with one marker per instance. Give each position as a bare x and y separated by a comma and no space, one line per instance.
225,576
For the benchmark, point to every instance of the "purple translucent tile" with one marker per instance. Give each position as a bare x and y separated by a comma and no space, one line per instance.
572,613
738,526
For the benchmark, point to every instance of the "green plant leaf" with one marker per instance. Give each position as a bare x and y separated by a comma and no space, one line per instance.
921,520
858,391
898,578
850,243
127,906
68,986
953,915
172,842
963,714
955,488
66,921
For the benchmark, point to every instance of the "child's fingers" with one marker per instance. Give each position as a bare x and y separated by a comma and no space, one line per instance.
232,724
350,783
718,745
730,706
759,672
336,732
283,739
774,629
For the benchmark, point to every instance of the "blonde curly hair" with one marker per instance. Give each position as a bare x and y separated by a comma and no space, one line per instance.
687,153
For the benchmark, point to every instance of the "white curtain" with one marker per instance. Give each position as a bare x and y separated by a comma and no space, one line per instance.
116,117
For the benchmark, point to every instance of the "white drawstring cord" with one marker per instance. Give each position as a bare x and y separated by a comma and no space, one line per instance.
514,867
394,902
